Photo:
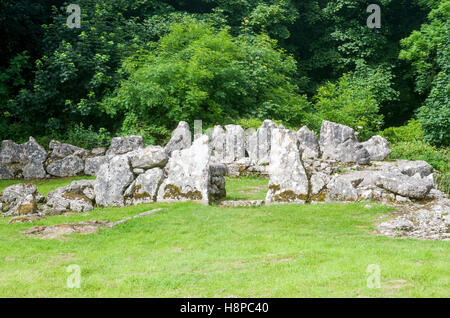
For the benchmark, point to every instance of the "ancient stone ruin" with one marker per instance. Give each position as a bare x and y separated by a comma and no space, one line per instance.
302,168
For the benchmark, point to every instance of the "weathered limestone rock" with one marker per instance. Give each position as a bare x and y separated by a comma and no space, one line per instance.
181,138
309,143
339,142
150,157
412,168
217,190
377,147
234,143
99,151
6,173
92,164
25,160
17,192
218,144
59,150
79,196
12,153
112,180
188,174
145,188
403,185
20,199
122,145
259,144
70,166
343,188
288,180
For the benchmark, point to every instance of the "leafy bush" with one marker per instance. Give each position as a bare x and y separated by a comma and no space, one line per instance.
412,132
196,72
87,137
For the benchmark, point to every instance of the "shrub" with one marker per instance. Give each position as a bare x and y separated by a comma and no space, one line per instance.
197,72
87,137
408,133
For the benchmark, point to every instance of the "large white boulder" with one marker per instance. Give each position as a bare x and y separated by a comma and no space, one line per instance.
339,142
288,180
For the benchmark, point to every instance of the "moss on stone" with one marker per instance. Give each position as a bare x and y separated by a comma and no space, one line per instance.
73,196
171,191
28,208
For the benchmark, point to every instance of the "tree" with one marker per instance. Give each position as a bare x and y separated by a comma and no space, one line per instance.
197,72
429,52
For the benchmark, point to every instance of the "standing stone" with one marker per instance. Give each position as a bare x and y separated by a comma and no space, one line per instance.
259,144
70,166
309,143
122,145
25,160
234,143
218,144
217,189
377,147
36,156
146,186
112,180
188,174
339,142
288,180
181,138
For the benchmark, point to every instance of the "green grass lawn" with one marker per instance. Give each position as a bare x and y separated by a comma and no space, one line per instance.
247,188
191,250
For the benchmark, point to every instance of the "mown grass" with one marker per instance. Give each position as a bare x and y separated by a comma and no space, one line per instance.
191,250
44,186
247,188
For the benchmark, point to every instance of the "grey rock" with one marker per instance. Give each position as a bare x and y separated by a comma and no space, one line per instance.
70,166
99,151
377,147
150,157
122,145
259,144
411,168
181,138
288,180
12,153
79,196
309,143
146,186
217,189
403,185
218,144
17,192
92,164
343,188
112,180
25,160
339,142
6,173
59,150
235,143
188,174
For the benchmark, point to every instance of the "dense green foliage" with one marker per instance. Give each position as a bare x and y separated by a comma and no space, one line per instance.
141,66
407,142
197,72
